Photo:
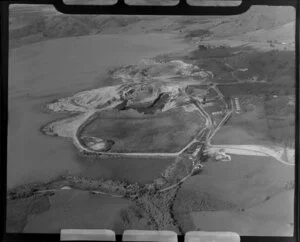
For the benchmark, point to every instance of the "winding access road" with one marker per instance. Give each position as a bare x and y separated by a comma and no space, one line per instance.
201,136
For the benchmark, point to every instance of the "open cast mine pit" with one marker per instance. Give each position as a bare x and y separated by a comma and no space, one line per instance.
135,117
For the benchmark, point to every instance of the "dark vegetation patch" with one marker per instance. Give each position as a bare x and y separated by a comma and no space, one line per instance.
199,33
283,131
185,222
266,118
122,106
192,147
255,89
276,67
213,52
228,101
134,217
157,105
178,170
196,90
215,107
253,117
17,212
281,119
190,201
280,106
214,59
76,182
211,93
135,132
151,211
25,191
40,204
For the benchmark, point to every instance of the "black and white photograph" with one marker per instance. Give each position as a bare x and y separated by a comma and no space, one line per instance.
151,122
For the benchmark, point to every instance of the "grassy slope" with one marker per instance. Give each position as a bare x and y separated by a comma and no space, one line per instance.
77,210
273,218
44,22
275,67
241,183
263,121
19,210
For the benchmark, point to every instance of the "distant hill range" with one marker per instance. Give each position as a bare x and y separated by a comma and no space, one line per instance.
32,23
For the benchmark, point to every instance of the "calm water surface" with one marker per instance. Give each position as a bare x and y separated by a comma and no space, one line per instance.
124,169
42,72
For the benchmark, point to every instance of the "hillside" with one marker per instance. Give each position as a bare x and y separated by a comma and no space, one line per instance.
29,24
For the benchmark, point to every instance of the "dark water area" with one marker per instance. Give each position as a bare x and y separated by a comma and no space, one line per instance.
132,170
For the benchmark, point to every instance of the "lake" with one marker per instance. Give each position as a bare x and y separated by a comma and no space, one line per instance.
141,170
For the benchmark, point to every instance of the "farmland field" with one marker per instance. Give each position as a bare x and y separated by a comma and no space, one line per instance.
243,184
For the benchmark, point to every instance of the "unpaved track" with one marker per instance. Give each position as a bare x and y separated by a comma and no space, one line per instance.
83,148
231,149
255,150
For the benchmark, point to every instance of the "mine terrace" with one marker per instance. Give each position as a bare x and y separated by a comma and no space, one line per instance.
153,115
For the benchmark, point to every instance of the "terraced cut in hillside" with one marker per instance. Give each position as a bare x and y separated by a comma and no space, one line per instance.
163,108
151,114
